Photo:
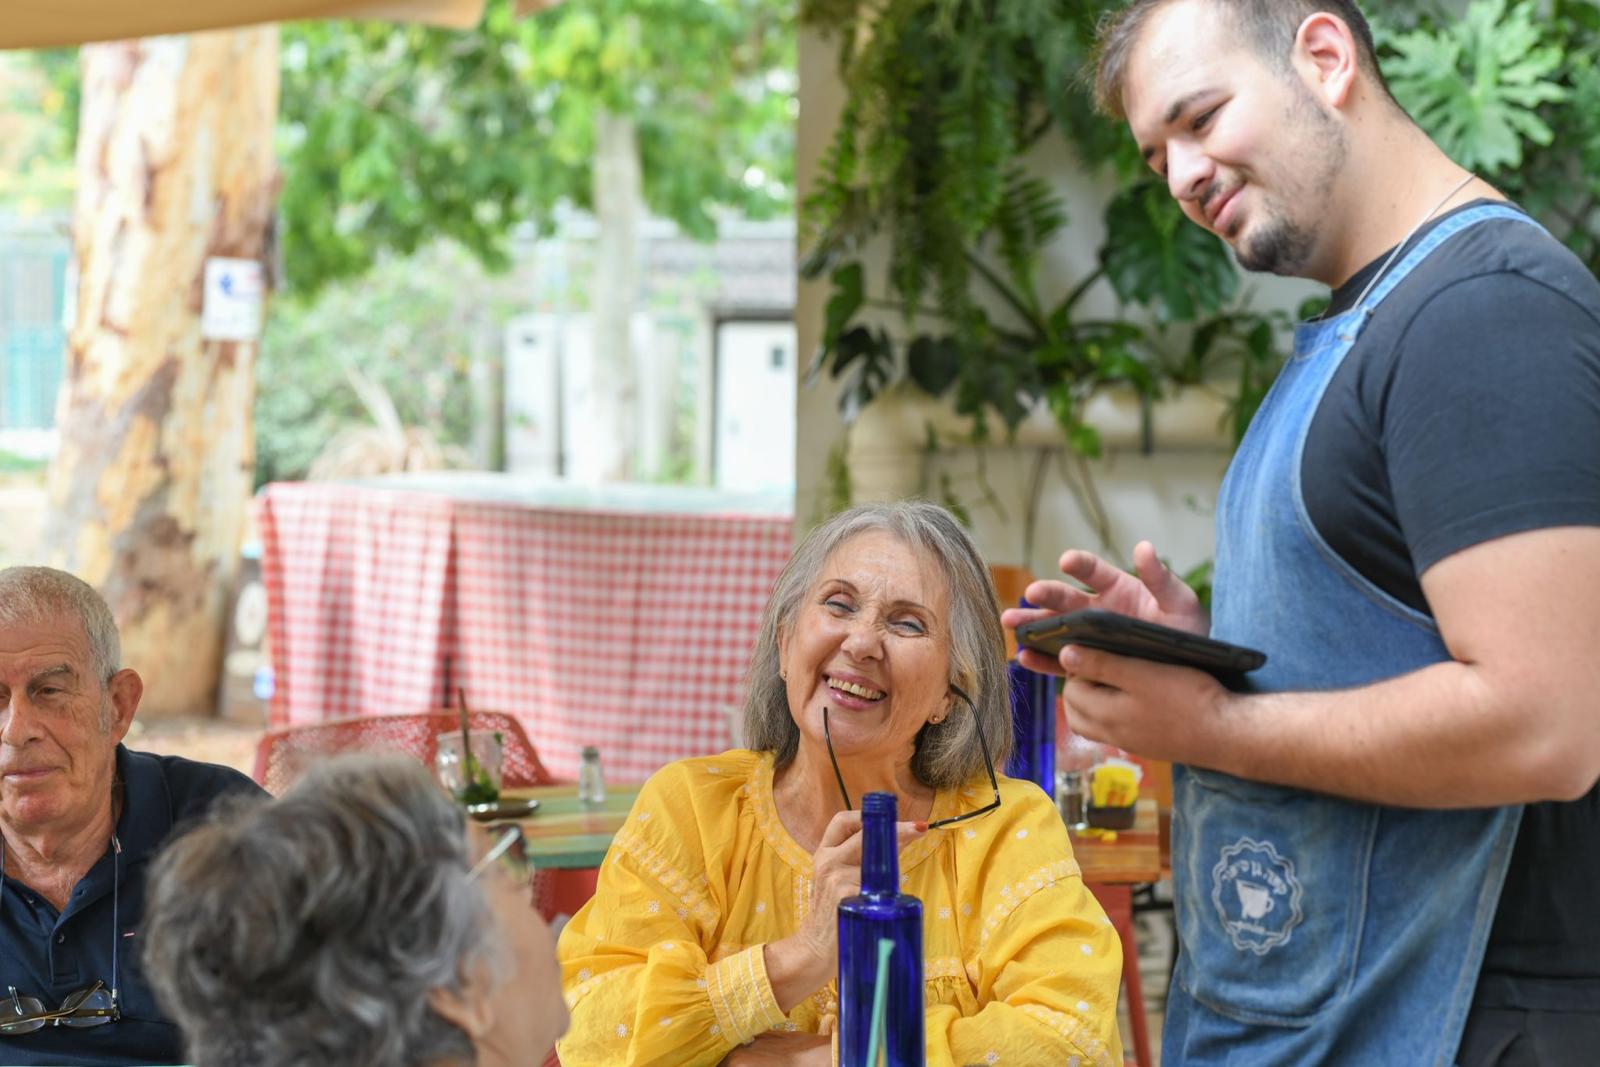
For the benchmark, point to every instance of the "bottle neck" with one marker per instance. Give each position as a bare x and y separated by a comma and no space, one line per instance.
880,862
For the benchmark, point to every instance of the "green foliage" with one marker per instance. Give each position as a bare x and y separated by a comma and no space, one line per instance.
946,99
38,114
397,135
412,325
1477,84
1511,90
1162,260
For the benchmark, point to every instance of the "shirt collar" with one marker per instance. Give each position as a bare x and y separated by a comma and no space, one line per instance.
146,817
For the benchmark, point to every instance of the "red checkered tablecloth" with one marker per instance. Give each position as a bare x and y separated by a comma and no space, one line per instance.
630,631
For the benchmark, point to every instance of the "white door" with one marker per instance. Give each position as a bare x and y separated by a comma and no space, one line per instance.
755,401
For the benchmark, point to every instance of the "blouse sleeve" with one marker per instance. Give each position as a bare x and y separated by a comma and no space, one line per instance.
1044,960
634,966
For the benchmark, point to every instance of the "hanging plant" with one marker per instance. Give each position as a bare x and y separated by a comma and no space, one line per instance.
946,99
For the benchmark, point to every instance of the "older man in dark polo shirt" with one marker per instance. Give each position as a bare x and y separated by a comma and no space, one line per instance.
81,817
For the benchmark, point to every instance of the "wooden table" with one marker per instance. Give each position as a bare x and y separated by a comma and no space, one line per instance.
566,834
1134,858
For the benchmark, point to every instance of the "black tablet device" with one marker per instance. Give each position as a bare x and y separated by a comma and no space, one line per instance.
1128,636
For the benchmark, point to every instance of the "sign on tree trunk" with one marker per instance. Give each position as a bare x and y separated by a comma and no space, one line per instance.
152,478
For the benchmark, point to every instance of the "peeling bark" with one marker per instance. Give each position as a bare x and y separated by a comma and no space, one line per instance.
150,486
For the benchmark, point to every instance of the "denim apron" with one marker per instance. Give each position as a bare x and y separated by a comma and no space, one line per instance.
1316,930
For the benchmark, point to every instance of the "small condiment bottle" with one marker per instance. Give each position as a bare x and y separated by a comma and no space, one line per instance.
591,784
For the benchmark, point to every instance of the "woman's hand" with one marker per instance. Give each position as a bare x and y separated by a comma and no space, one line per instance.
793,1050
803,962
1156,595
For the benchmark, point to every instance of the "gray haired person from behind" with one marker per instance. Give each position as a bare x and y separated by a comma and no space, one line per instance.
357,920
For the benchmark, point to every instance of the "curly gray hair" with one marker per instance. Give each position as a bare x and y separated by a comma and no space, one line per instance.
947,754
311,929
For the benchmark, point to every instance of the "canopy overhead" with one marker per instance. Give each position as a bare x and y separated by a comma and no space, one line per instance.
52,23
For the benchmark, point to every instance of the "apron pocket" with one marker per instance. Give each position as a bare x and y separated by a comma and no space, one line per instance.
1271,897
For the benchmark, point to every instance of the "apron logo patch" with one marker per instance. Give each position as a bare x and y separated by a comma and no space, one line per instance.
1257,896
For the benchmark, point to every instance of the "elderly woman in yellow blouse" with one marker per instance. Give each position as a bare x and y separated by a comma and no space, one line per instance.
712,936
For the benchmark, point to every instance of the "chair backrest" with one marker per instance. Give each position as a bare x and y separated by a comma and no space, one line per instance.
283,754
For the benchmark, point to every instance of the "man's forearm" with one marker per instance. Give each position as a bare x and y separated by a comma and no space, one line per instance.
1441,737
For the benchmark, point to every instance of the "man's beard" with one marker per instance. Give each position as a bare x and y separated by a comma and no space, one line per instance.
1281,247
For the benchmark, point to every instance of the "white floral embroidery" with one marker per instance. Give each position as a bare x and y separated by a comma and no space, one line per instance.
666,1020
761,907
971,834
991,1057
789,1026
699,983
585,974
966,909
644,816
1012,897
654,907
1083,1005
622,1029
715,1029
713,770
668,946
683,913
1086,950
1022,833
944,913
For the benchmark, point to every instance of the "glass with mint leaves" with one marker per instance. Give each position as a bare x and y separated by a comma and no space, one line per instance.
468,764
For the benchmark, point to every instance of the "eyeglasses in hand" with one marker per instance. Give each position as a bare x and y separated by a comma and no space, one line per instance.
983,743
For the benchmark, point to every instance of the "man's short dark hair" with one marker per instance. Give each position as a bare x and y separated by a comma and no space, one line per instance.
1269,26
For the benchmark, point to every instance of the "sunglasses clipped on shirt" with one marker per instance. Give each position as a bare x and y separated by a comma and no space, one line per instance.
94,1005
988,764
509,853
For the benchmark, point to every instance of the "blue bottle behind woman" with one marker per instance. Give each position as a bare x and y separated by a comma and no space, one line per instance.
1033,724
880,912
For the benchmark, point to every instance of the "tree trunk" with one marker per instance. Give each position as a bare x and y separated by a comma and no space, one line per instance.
618,193
150,486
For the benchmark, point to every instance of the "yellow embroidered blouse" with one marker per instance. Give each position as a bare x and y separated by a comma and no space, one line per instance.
665,964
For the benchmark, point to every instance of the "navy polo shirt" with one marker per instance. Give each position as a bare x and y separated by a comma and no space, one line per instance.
49,955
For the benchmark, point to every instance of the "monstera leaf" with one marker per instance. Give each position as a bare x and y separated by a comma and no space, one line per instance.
1476,85
1154,255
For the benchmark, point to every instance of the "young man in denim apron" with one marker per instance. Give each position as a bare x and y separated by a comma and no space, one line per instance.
1385,851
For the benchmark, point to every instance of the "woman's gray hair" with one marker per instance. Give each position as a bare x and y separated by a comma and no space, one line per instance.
947,754
311,928
31,595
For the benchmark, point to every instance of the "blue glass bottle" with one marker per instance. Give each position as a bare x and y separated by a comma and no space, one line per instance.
880,912
1033,725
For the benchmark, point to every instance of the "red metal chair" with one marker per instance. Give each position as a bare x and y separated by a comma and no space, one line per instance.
282,755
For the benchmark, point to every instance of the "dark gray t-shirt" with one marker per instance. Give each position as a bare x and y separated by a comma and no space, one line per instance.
1470,410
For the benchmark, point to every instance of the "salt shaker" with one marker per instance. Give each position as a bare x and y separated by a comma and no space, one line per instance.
591,786
1071,798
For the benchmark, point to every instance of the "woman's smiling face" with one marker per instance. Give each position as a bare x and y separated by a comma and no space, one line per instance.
871,643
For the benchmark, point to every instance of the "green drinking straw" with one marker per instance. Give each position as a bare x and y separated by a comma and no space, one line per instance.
880,1007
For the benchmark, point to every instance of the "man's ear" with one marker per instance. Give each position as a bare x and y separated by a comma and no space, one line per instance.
466,1008
126,689
1326,55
